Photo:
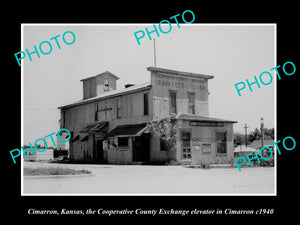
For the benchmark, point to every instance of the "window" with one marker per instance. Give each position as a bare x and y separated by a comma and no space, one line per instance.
119,112
191,103
186,145
63,119
173,108
221,142
112,142
146,108
106,84
123,142
96,111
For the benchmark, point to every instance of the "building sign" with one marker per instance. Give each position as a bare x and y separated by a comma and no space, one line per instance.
181,83
122,148
105,145
206,124
196,143
206,148
191,84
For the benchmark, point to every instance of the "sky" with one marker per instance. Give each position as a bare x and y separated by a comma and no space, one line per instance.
231,53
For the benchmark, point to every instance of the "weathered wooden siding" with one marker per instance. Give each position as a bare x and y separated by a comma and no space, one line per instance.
163,83
207,135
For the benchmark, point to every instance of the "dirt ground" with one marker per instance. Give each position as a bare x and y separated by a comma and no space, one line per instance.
152,180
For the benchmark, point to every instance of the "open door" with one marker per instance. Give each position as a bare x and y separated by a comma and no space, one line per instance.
98,151
141,148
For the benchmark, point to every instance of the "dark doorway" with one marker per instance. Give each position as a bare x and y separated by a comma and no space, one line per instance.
98,151
141,148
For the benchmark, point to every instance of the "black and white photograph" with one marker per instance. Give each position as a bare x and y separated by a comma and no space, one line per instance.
163,117
143,111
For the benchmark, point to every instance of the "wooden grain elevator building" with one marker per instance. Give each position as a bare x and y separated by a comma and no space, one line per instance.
163,120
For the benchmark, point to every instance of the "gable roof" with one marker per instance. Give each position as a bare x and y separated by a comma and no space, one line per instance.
100,74
127,130
111,94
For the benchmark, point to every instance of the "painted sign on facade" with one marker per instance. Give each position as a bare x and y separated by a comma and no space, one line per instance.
186,83
206,124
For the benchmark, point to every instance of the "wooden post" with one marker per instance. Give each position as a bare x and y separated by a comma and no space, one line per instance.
246,134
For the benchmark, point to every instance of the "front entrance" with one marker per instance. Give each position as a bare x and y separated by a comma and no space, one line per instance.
141,148
98,155
186,145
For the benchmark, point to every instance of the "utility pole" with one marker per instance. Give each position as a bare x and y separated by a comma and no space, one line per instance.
246,127
262,131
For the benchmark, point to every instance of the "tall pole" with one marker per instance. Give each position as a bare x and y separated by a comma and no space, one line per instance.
262,131
246,127
154,52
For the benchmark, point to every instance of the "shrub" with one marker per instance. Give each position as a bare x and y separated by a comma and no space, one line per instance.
53,171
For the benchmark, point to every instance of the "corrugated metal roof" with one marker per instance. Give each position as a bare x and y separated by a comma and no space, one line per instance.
101,74
94,127
110,94
187,116
130,130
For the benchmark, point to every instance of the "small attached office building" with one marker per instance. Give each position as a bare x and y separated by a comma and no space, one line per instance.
158,121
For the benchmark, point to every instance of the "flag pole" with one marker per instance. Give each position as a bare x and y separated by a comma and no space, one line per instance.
154,52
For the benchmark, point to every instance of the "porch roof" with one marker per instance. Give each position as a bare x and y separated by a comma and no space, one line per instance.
187,116
94,127
128,130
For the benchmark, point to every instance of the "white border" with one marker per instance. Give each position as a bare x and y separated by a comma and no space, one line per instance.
143,24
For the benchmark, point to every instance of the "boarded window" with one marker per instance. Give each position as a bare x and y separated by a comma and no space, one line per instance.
63,119
146,107
191,103
119,108
96,112
173,108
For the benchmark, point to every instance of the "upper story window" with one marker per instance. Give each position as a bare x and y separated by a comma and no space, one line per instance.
106,84
96,112
173,104
191,103
146,104
119,108
63,119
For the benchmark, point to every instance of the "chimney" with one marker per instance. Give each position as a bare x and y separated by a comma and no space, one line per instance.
99,84
128,85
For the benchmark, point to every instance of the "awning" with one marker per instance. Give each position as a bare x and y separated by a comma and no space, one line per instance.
128,130
85,138
94,127
75,138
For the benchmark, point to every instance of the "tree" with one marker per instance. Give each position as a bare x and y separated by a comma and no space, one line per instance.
269,132
165,129
239,139
256,134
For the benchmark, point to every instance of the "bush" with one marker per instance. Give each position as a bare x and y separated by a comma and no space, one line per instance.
204,165
53,171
